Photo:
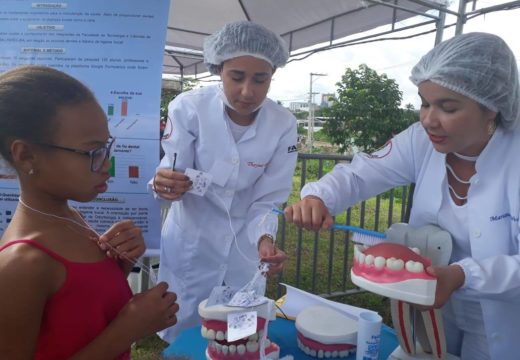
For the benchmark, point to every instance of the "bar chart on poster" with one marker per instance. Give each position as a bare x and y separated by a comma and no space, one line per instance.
123,119
116,49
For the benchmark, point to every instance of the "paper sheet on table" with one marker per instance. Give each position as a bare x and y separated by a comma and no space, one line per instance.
296,300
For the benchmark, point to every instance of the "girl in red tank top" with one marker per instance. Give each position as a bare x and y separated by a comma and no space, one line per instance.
64,288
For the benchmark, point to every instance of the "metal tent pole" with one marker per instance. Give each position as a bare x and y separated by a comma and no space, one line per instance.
461,19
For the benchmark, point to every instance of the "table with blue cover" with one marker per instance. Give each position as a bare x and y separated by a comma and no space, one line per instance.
190,344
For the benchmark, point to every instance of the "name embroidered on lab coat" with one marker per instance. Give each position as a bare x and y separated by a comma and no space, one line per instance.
503,216
255,165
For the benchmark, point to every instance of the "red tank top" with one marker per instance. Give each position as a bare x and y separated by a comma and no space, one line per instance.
90,298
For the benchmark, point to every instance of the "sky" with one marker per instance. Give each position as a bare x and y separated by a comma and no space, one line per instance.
395,58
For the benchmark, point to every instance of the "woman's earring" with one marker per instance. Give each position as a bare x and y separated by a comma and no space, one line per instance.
31,172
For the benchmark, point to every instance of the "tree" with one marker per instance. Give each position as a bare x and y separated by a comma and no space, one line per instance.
168,95
301,115
366,113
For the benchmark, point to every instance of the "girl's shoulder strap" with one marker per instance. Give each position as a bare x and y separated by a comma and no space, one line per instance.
36,245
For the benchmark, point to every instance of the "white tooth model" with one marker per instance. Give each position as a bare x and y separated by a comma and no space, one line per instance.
325,333
397,269
214,329
394,270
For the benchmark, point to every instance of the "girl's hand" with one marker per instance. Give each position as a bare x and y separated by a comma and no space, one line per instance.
123,241
310,213
170,184
149,312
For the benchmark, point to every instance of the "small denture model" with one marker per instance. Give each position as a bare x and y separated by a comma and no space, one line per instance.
325,333
214,329
394,270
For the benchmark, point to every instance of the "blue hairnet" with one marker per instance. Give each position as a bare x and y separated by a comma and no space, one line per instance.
244,38
479,66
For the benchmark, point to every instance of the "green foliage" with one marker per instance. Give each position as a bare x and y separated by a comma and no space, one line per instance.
321,136
168,95
301,115
366,111
311,170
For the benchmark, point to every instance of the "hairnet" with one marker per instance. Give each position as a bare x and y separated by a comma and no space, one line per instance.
479,66
244,38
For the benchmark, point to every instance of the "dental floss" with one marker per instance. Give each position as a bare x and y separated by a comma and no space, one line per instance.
233,231
147,270
255,285
263,268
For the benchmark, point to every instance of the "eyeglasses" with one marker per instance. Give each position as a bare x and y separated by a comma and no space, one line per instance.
97,156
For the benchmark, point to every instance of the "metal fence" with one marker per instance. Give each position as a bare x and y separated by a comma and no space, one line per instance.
320,262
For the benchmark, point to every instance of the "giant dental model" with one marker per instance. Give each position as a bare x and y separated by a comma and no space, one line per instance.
397,269
214,328
325,333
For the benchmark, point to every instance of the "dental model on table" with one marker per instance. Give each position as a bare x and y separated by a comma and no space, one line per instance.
323,332
214,329
397,269
235,322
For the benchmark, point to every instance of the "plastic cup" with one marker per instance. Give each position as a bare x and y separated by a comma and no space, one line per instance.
369,336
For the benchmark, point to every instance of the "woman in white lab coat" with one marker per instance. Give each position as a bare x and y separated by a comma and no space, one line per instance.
245,144
463,157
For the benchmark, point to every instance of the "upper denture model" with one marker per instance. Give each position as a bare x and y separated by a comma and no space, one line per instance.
394,270
397,269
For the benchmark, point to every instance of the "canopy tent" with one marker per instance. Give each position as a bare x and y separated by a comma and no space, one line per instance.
303,23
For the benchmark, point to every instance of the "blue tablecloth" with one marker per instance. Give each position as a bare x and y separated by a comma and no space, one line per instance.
192,345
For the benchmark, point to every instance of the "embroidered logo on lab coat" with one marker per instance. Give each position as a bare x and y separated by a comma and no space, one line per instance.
382,151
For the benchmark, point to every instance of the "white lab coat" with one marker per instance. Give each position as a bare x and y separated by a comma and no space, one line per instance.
493,271
250,177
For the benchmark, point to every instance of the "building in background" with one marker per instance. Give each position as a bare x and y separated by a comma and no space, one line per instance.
299,106
326,100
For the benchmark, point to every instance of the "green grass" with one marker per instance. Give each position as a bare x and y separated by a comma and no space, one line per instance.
149,348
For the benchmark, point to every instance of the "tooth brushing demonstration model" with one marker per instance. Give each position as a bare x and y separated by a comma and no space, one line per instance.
397,269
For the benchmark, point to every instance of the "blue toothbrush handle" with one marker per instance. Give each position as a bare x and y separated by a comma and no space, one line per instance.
278,211
348,228
359,230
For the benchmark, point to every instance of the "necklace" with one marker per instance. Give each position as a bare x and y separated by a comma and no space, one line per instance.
465,182
146,269
465,157
457,195
84,226
455,175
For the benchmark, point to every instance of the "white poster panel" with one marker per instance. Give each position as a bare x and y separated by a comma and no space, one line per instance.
116,48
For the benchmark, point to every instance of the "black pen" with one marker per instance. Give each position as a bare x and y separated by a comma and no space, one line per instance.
174,161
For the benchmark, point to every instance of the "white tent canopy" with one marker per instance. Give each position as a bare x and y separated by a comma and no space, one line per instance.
302,23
